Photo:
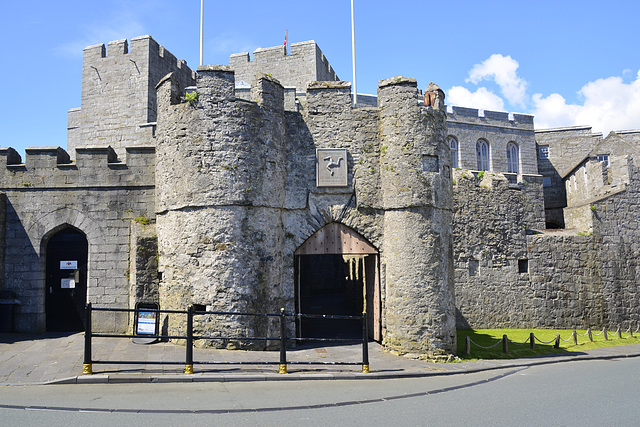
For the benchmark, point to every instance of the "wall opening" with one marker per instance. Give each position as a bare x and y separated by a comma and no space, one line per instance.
523,266
337,273
66,281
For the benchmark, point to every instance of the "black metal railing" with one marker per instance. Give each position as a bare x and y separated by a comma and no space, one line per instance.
189,336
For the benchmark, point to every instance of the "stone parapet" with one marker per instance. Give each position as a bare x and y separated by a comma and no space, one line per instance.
52,167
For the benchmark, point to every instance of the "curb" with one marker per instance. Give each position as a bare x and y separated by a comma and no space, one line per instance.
173,378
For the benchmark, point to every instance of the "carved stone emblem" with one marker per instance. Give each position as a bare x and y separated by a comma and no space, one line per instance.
331,167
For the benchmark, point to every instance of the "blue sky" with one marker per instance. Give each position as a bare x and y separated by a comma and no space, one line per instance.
567,62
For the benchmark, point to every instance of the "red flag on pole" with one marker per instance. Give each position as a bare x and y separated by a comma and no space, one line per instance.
285,37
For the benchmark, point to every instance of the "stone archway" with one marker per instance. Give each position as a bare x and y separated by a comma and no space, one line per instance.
337,272
66,281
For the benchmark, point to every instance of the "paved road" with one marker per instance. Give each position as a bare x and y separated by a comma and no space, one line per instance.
580,393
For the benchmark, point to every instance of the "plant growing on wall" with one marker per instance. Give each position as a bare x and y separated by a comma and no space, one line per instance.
191,97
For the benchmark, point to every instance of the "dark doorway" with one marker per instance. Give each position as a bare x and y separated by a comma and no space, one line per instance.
66,281
336,272
328,290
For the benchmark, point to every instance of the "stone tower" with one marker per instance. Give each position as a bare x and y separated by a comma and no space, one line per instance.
220,191
415,175
118,106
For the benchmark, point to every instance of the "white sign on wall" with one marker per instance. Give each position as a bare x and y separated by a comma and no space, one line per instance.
68,265
67,283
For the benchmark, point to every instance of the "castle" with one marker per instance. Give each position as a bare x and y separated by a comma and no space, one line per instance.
258,185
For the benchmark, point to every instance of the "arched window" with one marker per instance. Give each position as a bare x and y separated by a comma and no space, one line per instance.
513,158
453,145
482,152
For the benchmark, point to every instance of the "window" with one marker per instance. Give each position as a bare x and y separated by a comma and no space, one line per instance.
453,145
544,151
482,151
513,158
604,158
546,181
523,266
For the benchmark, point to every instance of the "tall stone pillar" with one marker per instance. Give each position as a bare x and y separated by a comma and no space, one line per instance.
417,200
220,189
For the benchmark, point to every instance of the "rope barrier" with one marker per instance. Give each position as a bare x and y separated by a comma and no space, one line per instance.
545,342
520,343
567,340
597,335
486,348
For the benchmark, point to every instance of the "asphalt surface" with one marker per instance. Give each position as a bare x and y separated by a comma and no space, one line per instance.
58,359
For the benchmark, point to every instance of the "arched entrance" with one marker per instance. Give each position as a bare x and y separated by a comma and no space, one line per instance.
336,273
66,281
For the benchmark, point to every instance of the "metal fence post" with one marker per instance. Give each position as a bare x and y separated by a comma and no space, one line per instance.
283,343
365,343
87,366
188,369
505,344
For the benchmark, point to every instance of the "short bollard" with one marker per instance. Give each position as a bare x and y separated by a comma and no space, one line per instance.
619,332
87,366
467,345
188,368
606,337
365,343
557,343
590,334
575,337
505,344
283,344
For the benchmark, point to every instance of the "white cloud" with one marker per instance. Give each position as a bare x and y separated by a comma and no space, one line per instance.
482,98
609,104
503,71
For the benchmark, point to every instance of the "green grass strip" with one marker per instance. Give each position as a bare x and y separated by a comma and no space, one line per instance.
489,337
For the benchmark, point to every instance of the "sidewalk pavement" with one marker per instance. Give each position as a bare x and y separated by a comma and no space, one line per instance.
58,359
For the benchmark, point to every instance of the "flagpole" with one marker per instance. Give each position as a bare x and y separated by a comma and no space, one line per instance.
353,49
201,30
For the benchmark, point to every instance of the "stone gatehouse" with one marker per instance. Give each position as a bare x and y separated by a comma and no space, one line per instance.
259,185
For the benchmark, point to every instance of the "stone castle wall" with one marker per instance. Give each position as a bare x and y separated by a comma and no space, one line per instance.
95,195
508,278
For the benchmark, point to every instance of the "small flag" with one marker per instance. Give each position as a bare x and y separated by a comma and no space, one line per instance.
285,37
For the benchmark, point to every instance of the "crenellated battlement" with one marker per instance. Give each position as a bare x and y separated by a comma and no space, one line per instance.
94,166
141,47
304,64
490,118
